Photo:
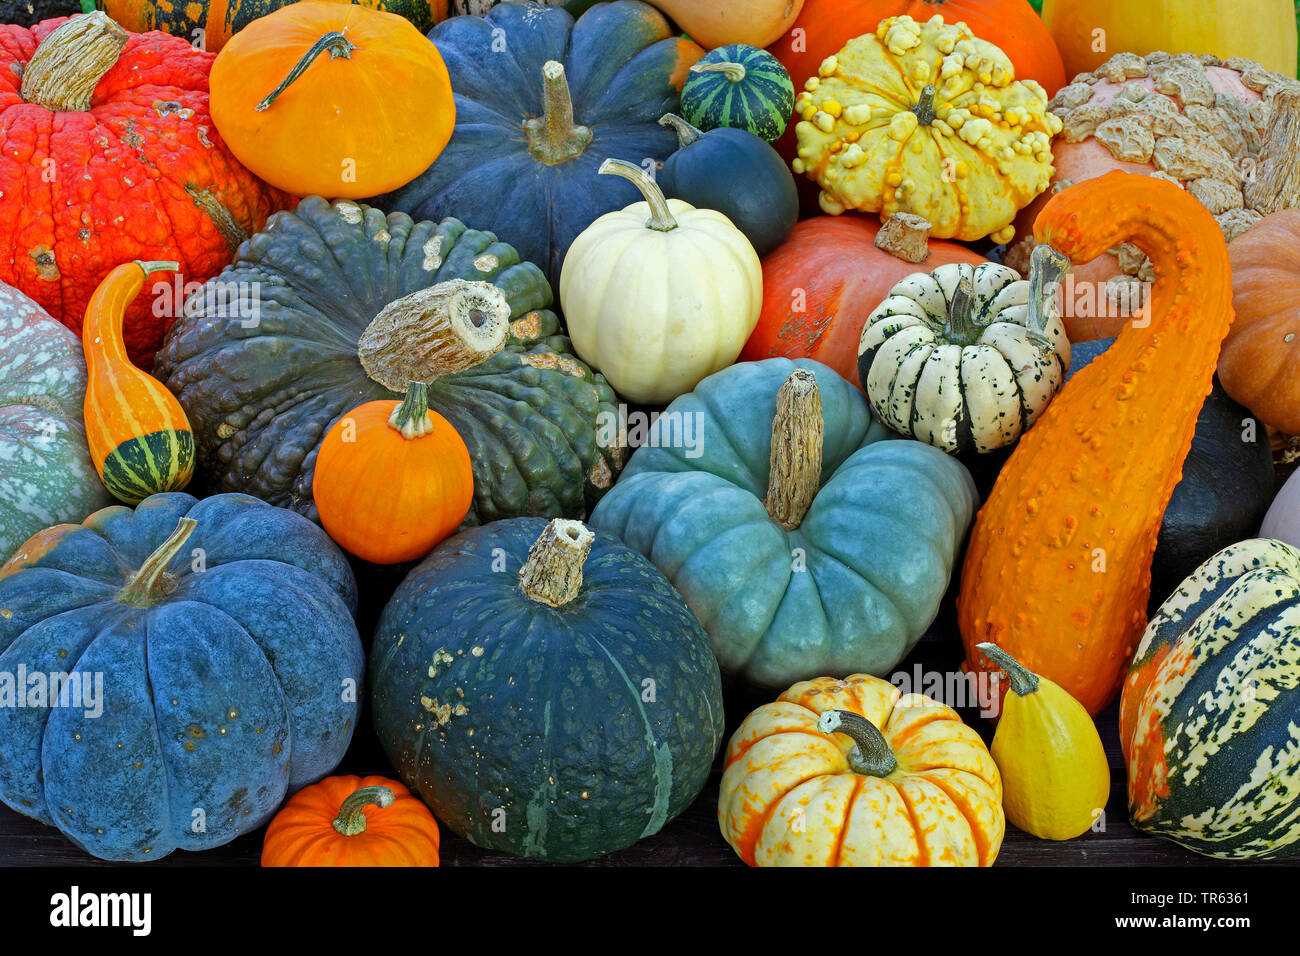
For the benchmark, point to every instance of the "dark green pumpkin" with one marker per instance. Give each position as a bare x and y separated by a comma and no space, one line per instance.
535,183
737,174
228,661
560,730
26,13
264,361
742,87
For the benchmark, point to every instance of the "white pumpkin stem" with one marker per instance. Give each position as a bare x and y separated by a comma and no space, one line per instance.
445,328
1023,681
555,136
735,72
962,329
686,133
152,582
552,575
410,418
1047,268
871,755
1276,183
661,218
351,820
795,465
65,69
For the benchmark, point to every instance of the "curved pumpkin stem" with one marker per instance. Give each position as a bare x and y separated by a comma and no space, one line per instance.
352,817
411,416
1047,268
1023,681
552,575
335,42
962,329
686,133
924,108
151,583
735,72
661,217
795,462
555,136
65,69
870,755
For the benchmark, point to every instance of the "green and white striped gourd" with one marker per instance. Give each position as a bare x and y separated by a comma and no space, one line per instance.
742,87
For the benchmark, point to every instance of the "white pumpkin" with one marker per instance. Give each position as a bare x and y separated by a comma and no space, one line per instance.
952,357
659,295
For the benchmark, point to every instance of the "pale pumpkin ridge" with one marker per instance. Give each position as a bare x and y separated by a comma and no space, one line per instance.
982,846
775,732
858,780
916,823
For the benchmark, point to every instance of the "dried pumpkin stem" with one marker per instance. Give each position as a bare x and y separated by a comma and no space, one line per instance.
735,72
436,331
962,329
1276,182
924,108
1023,681
661,217
905,236
335,42
411,418
686,133
65,69
552,575
555,136
1047,268
152,582
795,464
352,817
870,755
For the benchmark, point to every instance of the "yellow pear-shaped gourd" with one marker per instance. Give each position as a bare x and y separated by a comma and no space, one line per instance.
1055,777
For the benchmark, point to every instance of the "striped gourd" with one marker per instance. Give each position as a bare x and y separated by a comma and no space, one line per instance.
1209,713
742,87
139,437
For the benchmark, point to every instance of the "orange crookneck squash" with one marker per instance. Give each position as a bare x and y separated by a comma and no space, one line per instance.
1058,569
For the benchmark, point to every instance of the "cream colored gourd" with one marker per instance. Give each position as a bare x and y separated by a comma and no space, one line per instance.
660,294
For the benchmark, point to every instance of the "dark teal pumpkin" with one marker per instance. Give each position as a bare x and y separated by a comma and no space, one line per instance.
742,87
26,13
555,732
222,631
265,360
737,174
535,184
852,586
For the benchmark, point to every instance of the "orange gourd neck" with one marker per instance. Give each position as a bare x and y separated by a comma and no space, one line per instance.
338,46
102,329
351,819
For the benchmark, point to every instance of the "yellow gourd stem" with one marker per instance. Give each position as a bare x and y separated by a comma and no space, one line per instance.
1023,681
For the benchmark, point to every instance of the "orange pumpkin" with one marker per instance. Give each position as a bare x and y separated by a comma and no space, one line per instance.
366,119
854,773
1058,568
352,821
392,479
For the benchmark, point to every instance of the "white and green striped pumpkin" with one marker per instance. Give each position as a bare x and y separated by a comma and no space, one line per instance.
952,358
1210,714
46,476
742,87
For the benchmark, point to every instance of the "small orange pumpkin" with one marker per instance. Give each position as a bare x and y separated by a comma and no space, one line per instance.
392,479
352,821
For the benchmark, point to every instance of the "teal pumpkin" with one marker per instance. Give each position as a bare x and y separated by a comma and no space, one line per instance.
742,87
1209,709
545,691
220,636
805,540
46,475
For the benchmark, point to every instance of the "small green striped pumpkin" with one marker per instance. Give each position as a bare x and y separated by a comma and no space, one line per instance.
742,87
1211,704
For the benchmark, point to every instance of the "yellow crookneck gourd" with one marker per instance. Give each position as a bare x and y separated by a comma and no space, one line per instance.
1055,779
925,118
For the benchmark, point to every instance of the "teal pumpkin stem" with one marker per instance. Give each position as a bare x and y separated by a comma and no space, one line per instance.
555,136
1047,268
1023,681
686,133
335,42
962,329
552,575
411,416
735,72
924,108
870,755
795,460
661,217
151,583
351,820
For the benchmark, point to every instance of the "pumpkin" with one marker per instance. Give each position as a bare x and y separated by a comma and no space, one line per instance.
820,285
1259,353
409,468
567,96
223,630
366,119
1055,777
733,172
140,441
804,542
853,772
211,23
634,278
352,821
338,304
1280,520
1207,718
1224,130
72,210
1261,30
545,690
740,87
951,357
1058,568
893,124
715,23
27,13
48,476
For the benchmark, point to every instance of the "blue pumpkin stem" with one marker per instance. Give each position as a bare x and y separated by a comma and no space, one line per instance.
686,133
152,582
335,42
871,755
352,817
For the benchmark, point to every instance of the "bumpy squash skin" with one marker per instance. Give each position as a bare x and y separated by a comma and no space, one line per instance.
1087,485
222,696
552,727
1208,713
260,399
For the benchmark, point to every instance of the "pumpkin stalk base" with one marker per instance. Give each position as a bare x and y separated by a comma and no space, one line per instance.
555,136
870,755
351,820
661,217
924,108
411,418
70,62
1023,681
795,464
962,329
552,575
152,582
1047,268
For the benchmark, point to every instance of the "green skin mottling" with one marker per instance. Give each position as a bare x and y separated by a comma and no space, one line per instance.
151,464
761,103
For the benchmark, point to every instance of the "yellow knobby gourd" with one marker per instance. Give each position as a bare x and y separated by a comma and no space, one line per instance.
1055,777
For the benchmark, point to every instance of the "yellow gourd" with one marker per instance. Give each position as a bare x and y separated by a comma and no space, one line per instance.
1055,779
